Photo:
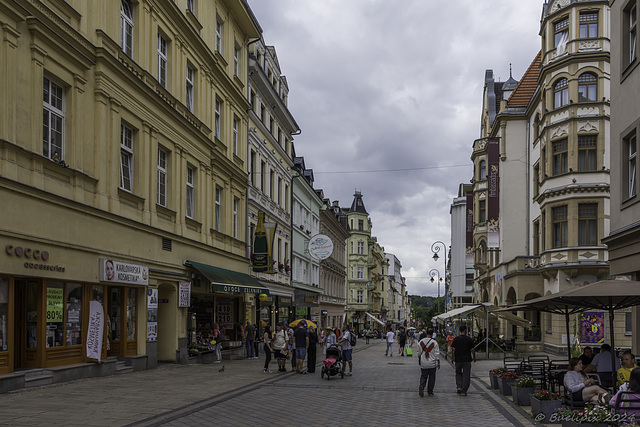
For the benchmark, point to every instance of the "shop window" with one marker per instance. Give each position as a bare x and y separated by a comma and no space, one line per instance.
32,315
55,314
115,308
131,314
74,314
4,313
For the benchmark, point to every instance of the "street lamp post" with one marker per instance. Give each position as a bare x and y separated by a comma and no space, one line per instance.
434,272
435,248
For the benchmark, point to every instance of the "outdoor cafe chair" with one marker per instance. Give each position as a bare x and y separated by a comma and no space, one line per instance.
627,406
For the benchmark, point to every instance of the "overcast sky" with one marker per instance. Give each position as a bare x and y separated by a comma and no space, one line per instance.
388,95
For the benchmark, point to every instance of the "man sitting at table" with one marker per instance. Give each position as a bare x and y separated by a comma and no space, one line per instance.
586,357
628,365
602,361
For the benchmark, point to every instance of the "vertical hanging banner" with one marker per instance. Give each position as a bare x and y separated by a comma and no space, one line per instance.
493,214
184,299
260,256
469,231
95,330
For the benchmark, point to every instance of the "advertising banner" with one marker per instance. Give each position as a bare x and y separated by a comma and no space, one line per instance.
55,297
493,196
592,327
122,272
320,246
95,330
152,314
184,298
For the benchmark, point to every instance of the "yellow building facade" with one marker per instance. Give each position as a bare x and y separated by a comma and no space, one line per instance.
123,129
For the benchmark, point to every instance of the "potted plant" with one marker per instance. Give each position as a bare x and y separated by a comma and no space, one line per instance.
589,416
493,376
544,404
521,390
504,381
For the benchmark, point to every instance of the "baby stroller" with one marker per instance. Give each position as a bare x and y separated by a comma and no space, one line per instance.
333,365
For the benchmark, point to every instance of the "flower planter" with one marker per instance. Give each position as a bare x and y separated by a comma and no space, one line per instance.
543,409
521,395
505,386
494,381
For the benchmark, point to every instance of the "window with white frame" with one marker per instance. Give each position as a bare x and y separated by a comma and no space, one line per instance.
561,37
360,272
126,157
236,125
218,118
235,217
162,177
630,151
52,120
126,27
483,169
190,85
162,60
587,87
587,156
219,31
360,297
190,193
360,248
561,93
218,208
560,156
588,25
633,32
236,60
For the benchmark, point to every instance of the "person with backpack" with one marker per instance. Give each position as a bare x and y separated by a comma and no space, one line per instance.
429,360
346,340
402,341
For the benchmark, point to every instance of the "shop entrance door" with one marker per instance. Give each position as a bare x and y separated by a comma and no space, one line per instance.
121,314
26,334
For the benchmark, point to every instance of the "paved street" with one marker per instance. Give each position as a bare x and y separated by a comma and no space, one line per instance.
382,391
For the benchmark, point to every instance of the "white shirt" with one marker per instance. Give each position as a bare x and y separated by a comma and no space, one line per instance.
390,336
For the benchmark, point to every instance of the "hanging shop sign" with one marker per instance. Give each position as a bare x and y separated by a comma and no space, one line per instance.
320,246
122,272
184,298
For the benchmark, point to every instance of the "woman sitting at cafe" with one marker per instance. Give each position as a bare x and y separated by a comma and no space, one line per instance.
631,396
583,388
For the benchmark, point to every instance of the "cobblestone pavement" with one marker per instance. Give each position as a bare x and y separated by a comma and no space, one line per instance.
382,391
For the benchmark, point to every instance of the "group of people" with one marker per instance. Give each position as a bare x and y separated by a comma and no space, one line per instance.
299,344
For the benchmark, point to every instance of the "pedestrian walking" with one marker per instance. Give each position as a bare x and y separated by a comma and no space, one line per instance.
280,340
429,360
390,338
462,353
267,349
402,341
347,350
291,345
411,336
250,340
312,350
219,337
301,339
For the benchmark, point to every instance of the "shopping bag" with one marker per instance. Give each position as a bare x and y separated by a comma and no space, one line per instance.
409,352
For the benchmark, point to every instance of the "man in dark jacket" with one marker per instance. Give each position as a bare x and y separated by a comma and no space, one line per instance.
462,353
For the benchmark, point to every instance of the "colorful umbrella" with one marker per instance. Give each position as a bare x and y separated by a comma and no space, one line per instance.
305,323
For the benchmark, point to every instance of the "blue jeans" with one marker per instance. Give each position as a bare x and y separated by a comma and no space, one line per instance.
250,348
389,348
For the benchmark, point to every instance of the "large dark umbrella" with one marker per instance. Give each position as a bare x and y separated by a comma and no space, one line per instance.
606,295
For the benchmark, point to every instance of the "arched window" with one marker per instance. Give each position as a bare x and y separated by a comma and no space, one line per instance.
483,169
561,93
587,87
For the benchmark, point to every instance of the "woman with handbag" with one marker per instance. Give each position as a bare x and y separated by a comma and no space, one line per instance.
267,349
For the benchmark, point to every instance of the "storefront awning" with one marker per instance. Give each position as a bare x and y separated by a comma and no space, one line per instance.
485,308
223,280
375,318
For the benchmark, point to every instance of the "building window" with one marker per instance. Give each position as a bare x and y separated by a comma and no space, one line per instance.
360,272
162,177
361,248
263,176
126,157
218,118
588,224
236,60
218,209
360,297
589,25
191,6
126,27
628,323
279,191
561,36
219,30
587,157
482,211
162,61
561,93
272,192
560,157
235,135
560,228
629,149
190,78
352,272
52,120
483,169
190,192
587,87
632,30
235,217
360,225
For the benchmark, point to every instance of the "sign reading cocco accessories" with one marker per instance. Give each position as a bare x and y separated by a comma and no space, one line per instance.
320,246
35,258
122,272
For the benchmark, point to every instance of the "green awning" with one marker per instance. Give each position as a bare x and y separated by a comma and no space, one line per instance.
223,280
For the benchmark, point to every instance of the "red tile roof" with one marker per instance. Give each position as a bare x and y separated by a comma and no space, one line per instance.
527,86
